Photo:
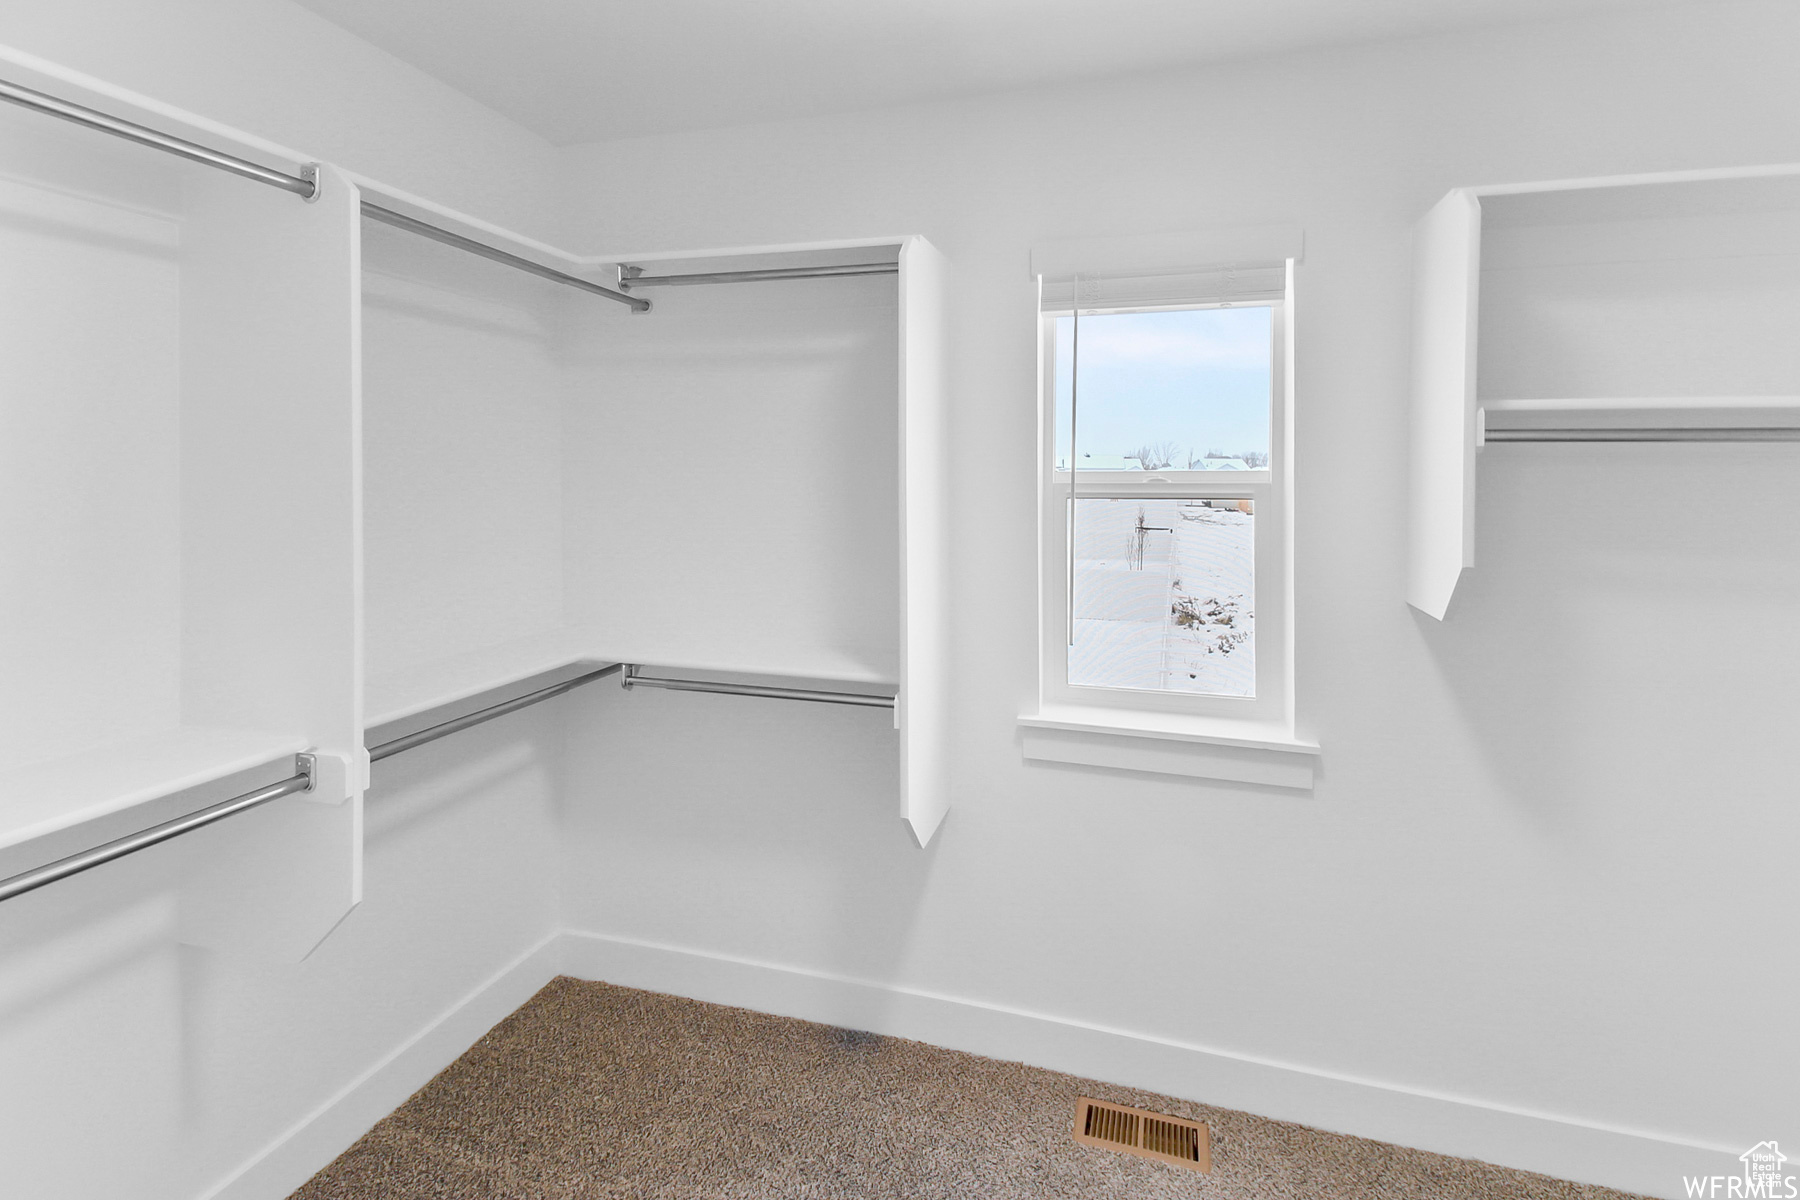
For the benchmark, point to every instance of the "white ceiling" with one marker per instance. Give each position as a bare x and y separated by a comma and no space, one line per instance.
589,70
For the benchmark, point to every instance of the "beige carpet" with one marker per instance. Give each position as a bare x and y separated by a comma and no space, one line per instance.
593,1091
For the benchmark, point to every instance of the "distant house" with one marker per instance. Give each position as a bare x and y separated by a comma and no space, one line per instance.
1219,464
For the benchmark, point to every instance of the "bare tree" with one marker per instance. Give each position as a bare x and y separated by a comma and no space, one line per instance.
1155,456
1134,544
1250,458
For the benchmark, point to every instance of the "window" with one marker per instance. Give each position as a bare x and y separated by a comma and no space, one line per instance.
1166,478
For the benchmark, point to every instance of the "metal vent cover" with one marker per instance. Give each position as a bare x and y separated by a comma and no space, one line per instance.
1145,1134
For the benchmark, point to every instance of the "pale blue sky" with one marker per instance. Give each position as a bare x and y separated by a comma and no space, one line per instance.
1198,378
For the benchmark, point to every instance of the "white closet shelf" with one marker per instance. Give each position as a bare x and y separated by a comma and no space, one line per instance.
742,258
45,798
819,671
1622,284
1643,412
395,695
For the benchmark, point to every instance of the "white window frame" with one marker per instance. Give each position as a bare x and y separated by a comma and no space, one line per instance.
1225,737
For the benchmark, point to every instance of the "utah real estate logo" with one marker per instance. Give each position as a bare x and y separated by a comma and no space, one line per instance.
1762,1180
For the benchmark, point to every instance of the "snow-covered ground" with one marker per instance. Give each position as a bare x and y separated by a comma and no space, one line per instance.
1164,597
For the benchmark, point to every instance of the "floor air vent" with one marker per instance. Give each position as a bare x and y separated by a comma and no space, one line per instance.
1146,1134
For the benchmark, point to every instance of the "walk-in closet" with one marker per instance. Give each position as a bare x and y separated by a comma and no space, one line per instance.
703,599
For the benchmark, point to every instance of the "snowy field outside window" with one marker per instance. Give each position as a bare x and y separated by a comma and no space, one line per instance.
1164,595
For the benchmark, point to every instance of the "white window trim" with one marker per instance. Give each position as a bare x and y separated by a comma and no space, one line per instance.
1245,740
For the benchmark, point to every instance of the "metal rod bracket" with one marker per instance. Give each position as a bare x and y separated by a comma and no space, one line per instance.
308,765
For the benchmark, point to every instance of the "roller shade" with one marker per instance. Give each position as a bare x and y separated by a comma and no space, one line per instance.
1206,266
1261,281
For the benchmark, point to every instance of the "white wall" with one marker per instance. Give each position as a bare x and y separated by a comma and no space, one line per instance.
1539,870
276,70
130,1064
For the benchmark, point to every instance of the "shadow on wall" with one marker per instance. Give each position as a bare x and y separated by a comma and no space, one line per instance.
91,1030
781,840
508,756
65,938
1628,626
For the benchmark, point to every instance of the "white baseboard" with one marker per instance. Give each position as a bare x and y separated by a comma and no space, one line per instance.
1560,1147
299,1152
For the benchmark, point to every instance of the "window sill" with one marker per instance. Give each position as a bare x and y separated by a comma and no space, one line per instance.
1169,744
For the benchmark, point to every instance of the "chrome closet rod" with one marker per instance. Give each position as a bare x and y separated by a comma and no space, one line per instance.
750,689
388,216
305,185
457,724
628,281
74,864
1740,433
